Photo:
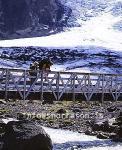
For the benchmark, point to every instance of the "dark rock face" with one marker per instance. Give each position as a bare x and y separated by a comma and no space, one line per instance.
31,14
15,14
25,135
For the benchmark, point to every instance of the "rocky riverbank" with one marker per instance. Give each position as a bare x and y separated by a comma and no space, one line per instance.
74,116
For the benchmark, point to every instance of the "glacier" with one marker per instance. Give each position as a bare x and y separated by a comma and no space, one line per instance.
95,25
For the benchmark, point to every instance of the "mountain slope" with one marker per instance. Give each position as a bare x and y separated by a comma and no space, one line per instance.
30,18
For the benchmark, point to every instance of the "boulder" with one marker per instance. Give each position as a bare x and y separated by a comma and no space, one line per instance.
25,135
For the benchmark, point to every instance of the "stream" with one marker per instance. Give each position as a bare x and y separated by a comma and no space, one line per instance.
68,140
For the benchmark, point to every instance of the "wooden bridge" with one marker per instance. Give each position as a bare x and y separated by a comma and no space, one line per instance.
21,84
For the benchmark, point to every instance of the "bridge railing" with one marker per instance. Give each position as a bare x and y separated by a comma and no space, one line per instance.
26,81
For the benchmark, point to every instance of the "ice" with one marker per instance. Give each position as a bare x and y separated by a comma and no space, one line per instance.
98,31
68,140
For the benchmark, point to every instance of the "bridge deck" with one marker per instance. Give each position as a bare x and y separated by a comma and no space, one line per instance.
26,82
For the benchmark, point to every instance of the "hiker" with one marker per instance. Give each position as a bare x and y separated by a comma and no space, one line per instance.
33,71
44,65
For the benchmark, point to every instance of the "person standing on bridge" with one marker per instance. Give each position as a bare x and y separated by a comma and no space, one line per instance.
33,71
44,65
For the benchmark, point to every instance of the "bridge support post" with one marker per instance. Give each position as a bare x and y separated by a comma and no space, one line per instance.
103,80
57,85
24,92
73,87
116,97
41,96
6,84
89,88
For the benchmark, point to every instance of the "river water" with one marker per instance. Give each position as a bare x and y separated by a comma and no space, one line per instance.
68,140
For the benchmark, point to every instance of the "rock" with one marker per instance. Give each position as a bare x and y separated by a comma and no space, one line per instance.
11,100
2,127
21,116
96,127
118,123
102,136
14,104
90,132
120,114
119,131
34,102
75,110
112,108
119,118
90,122
112,136
103,126
8,116
118,134
2,116
2,101
61,111
112,128
25,135
47,102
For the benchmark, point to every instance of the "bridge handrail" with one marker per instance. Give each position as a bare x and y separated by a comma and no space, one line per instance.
59,82
61,72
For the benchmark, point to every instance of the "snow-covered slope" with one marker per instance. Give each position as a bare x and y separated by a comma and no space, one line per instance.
82,59
96,32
